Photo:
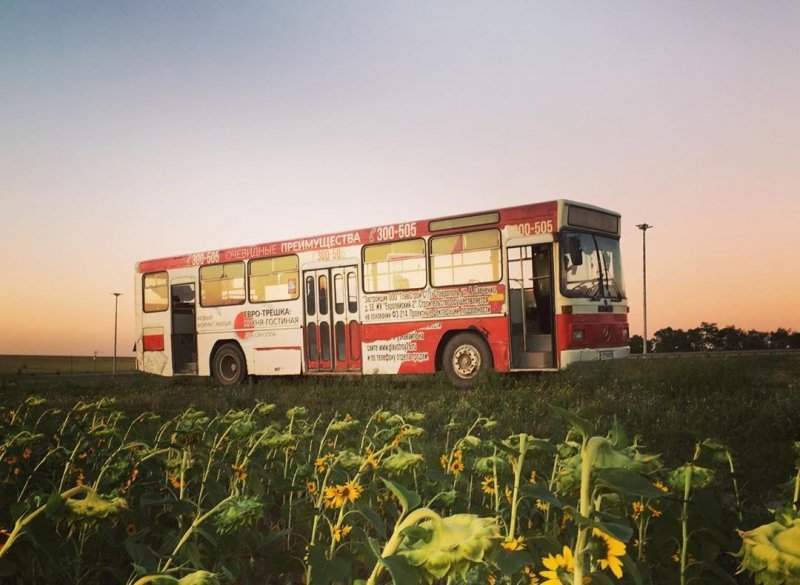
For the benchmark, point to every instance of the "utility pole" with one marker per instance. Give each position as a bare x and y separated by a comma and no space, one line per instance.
114,362
644,227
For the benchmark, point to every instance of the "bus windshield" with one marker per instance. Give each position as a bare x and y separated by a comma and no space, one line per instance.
591,267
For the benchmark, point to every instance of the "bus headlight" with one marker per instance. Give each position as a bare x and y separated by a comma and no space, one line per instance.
625,333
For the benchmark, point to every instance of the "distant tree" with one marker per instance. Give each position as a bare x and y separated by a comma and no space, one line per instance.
755,340
669,339
783,339
794,340
711,336
731,338
697,339
780,338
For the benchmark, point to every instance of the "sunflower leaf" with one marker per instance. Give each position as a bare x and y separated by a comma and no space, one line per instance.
408,500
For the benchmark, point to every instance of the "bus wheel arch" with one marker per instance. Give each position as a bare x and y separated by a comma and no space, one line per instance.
228,363
464,355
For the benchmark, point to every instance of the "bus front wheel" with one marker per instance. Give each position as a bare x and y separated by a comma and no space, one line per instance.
229,366
466,356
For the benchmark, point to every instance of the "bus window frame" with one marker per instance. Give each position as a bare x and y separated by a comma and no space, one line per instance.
244,278
248,276
425,259
500,249
144,288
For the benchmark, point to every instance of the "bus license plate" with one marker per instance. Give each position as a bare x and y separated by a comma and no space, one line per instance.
606,354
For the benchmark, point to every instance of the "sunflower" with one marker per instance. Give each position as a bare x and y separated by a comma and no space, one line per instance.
530,574
321,463
488,486
239,473
660,486
638,508
339,532
175,481
654,512
332,498
614,550
557,566
372,459
542,506
311,487
350,491
514,544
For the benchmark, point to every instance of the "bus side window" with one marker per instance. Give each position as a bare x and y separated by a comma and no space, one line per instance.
352,293
310,301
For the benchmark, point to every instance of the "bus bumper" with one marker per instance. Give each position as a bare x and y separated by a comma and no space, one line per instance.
571,356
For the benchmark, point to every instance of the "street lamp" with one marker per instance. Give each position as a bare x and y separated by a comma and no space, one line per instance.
116,304
644,227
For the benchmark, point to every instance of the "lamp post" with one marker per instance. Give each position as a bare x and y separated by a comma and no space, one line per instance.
644,227
114,362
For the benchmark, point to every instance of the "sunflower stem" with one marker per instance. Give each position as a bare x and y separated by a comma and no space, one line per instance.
415,517
523,438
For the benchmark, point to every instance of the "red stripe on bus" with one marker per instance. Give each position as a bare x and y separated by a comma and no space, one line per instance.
288,347
525,215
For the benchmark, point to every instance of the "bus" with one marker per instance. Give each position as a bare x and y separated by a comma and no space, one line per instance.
534,287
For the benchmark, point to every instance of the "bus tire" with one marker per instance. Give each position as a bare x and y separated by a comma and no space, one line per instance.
229,366
466,356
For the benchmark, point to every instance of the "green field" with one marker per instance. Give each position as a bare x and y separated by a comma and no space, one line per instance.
62,364
747,406
751,403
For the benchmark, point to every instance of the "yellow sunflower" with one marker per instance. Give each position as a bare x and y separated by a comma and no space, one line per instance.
513,544
332,498
339,532
350,491
614,550
488,485
557,565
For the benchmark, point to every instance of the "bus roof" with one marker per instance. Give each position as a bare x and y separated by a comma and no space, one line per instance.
533,212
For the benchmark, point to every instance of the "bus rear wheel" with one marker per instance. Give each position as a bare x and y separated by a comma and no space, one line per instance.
229,366
466,356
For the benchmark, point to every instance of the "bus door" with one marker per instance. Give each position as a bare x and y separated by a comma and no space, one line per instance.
184,328
332,333
531,308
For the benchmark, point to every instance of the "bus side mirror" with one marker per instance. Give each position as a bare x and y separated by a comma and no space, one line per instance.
574,250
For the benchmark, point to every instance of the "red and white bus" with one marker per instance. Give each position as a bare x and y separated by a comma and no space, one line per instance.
530,288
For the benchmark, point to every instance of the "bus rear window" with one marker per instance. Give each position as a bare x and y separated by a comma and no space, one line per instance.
155,292
470,258
394,266
222,284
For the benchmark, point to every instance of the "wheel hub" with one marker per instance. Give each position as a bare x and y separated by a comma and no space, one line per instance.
466,361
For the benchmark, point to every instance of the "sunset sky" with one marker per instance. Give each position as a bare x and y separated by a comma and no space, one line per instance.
135,130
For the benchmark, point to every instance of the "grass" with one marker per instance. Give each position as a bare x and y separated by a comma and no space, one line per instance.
751,403
31,365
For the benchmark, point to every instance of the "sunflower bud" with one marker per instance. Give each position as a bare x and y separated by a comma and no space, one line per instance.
199,578
771,553
400,461
488,465
451,544
350,460
95,506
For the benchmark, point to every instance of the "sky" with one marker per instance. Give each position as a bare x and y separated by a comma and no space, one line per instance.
137,130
